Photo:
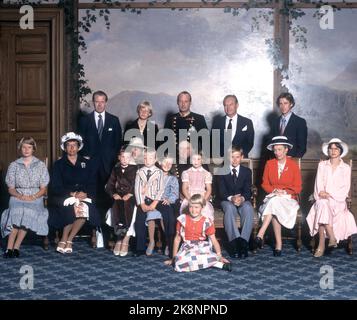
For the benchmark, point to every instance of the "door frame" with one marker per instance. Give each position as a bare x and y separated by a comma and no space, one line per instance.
58,69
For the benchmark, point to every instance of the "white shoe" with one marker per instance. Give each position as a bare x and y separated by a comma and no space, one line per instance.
122,252
60,249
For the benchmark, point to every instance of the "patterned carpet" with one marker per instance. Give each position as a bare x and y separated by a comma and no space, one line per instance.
97,274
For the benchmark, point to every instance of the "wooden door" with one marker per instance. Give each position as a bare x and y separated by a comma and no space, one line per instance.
25,88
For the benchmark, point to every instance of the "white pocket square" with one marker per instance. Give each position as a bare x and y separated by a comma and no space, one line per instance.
110,129
245,128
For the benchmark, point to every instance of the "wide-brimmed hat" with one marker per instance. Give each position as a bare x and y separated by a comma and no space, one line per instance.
71,136
281,140
136,142
335,140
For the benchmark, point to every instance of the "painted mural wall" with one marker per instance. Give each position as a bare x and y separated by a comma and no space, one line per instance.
158,53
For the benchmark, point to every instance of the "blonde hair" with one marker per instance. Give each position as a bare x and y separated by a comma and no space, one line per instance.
197,199
27,140
145,104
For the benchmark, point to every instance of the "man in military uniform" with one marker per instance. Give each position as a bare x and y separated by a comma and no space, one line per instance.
185,119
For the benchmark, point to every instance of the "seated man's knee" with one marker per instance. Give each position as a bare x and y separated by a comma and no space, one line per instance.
228,207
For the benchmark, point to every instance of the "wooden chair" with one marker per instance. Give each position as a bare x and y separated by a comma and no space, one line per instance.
349,246
219,214
46,241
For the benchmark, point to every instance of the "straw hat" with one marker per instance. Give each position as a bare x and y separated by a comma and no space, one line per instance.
136,142
281,140
335,140
71,136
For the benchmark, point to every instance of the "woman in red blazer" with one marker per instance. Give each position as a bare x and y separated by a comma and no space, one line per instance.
282,182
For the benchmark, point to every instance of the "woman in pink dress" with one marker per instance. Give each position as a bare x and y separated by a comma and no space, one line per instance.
197,180
329,216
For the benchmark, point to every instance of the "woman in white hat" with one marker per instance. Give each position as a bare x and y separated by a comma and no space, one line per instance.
136,148
282,182
72,192
329,216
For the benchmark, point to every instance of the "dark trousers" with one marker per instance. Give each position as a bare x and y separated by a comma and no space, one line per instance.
169,218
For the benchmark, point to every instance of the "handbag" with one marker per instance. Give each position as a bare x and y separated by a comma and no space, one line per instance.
120,230
100,240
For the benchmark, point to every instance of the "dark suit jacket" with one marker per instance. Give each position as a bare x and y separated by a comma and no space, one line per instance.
121,183
296,131
243,186
244,139
104,152
134,125
175,122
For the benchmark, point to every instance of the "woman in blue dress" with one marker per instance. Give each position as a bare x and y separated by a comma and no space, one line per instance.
27,179
72,192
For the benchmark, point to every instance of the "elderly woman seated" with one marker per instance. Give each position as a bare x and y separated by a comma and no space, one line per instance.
329,215
27,179
282,182
72,192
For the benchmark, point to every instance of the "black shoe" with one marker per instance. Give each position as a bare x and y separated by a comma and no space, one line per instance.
234,255
232,249
277,253
239,247
243,251
227,267
258,243
8,254
16,253
139,253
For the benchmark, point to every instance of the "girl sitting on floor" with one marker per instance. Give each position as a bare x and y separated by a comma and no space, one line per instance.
195,252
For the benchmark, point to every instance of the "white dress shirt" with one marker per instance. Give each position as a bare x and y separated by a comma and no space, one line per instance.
286,117
96,118
237,168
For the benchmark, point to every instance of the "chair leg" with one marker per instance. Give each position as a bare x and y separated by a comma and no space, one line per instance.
349,245
46,243
255,232
57,237
299,241
111,242
94,239
312,244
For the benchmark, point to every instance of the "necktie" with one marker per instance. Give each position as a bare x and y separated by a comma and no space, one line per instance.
148,175
282,126
229,124
235,178
100,126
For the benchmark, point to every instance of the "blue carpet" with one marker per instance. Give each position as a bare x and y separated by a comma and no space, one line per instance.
97,274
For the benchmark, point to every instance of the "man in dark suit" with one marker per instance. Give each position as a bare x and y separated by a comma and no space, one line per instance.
290,125
242,128
185,119
235,194
102,137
